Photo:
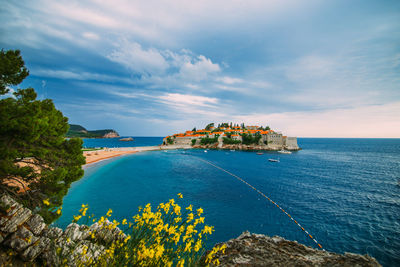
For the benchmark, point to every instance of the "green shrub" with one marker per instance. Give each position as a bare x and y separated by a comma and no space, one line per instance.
165,236
229,141
208,140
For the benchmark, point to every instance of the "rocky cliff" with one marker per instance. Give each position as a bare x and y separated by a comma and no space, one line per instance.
260,250
242,147
24,237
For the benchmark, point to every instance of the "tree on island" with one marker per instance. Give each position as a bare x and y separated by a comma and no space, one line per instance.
208,127
33,151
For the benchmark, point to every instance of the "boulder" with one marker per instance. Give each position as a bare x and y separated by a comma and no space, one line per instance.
53,233
36,224
261,250
18,218
21,239
36,249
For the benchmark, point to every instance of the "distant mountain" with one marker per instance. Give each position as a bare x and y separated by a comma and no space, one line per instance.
76,130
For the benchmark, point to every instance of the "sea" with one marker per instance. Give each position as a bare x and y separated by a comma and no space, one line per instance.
344,192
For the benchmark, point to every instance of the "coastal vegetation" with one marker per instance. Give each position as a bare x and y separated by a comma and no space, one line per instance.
207,140
37,164
248,139
168,235
230,141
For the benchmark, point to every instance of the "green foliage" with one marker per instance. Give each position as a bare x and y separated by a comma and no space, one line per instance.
79,131
248,139
228,134
193,142
165,235
33,151
229,141
208,140
194,129
267,128
266,142
170,141
209,126
12,69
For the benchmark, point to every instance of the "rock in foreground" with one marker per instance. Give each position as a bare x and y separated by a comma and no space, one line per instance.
260,250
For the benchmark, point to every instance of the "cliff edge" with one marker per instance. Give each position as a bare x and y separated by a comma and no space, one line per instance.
261,250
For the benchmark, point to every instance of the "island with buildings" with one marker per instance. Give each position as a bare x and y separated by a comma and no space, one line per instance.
233,136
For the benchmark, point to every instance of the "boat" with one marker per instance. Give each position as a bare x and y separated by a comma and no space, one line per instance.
233,150
260,153
205,151
273,160
284,151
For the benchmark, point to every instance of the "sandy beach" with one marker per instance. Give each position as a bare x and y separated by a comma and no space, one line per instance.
95,156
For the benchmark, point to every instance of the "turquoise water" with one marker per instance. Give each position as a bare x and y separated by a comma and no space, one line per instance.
345,192
114,142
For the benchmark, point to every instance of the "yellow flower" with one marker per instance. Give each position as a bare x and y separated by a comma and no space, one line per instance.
197,246
177,210
181,263
77,217
84,212
207,229
109,212
124,222
190,217
46,202
59,211
176,238
177,220
160,251
190,207
127,238
188,246
180,195
199,211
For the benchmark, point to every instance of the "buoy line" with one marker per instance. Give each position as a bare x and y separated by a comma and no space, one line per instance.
262,194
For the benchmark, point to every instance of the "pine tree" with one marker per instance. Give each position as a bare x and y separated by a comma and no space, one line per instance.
33,151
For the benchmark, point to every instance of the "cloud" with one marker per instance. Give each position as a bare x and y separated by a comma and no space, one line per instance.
180,100
164,67
229,80
91,36
198,69
380,121
144,61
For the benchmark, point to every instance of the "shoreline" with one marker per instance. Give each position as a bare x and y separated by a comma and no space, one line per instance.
100,155
108,153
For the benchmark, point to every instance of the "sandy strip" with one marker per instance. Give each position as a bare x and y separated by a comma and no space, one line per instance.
95,156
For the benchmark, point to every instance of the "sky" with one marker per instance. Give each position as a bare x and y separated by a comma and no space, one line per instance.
154,68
